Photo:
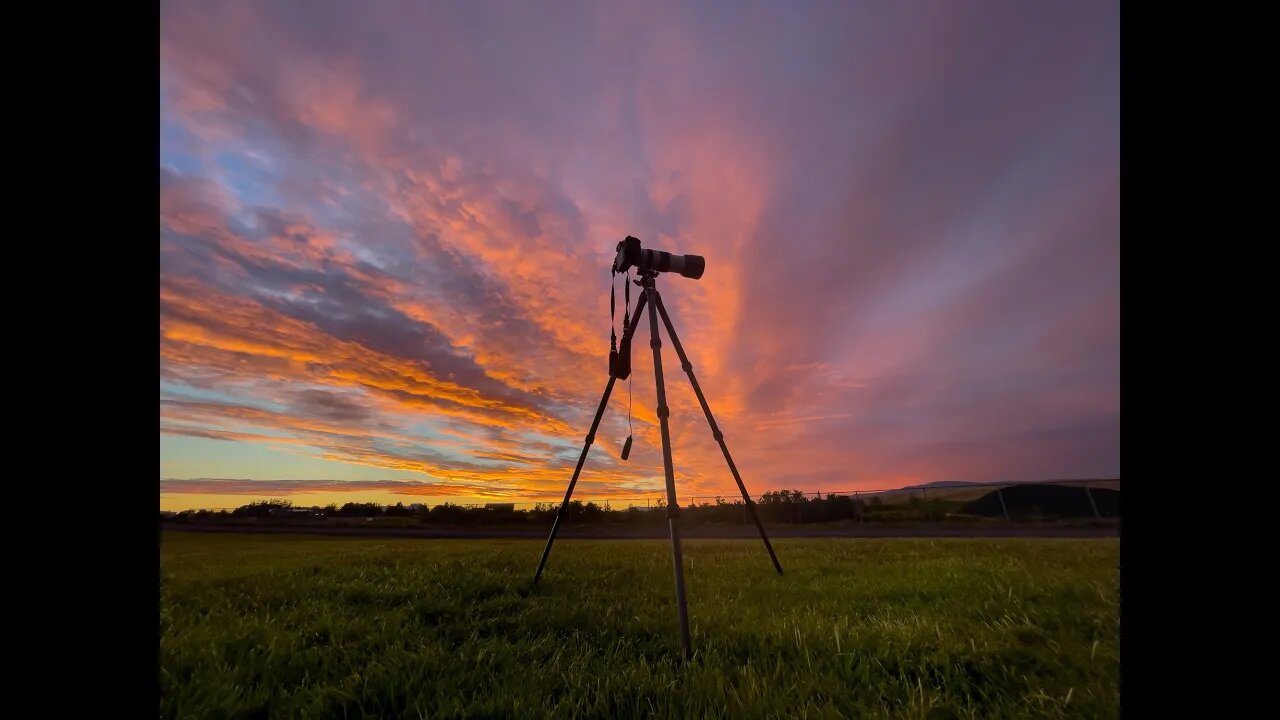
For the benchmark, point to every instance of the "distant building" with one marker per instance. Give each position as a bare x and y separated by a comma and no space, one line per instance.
500,506
416,506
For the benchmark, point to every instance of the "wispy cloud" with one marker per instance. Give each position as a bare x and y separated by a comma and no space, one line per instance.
284,488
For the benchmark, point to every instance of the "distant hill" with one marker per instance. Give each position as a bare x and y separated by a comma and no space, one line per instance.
936,484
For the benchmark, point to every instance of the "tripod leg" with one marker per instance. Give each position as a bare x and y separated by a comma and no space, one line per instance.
715,430
673,507
591,436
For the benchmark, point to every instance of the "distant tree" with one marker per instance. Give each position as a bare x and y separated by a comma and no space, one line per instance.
263,508
360,510
448,513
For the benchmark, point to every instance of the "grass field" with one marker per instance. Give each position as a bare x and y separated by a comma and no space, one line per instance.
291,626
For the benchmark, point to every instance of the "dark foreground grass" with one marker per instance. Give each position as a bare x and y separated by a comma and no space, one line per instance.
276,626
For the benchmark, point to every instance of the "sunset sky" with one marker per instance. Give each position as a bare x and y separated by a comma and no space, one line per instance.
386,229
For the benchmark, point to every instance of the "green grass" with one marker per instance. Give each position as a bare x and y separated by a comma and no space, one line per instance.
276,626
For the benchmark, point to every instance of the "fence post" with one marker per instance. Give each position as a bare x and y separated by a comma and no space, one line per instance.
1091,502
1005,508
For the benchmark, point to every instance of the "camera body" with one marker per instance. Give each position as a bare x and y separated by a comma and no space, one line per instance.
630,254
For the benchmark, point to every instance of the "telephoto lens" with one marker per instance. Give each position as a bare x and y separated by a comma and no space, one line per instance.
631,255
690,266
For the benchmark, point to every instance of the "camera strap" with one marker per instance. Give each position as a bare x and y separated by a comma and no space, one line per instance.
626,281
626,311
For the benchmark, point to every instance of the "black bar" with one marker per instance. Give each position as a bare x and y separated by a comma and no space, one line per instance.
715,430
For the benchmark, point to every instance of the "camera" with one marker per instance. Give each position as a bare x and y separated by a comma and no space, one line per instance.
630,254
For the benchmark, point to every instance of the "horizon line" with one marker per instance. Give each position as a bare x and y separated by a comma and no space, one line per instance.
252,496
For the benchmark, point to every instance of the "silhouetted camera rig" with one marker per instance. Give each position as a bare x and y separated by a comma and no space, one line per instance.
649,264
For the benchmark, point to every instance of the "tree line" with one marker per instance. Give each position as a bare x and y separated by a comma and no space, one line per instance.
780,506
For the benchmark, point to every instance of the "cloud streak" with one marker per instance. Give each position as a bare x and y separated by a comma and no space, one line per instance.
285,488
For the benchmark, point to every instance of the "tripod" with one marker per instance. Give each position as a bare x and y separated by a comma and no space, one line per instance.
654,302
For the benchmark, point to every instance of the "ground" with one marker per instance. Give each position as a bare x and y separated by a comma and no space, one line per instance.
298,626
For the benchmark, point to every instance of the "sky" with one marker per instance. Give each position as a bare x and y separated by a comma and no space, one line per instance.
386,232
